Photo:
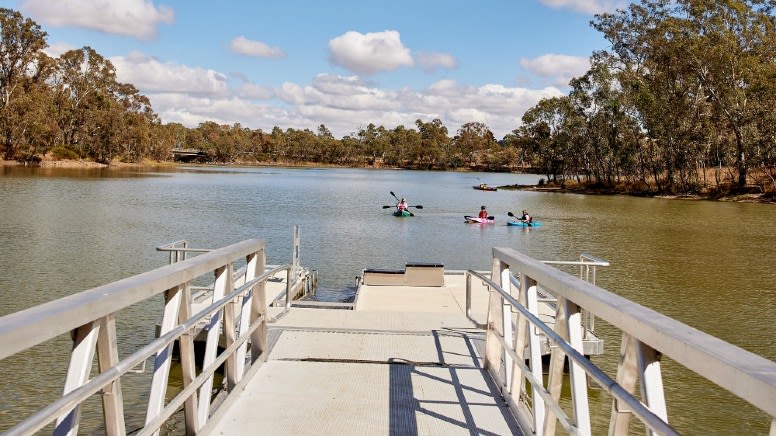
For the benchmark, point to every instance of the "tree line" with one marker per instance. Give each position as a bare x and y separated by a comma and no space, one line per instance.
682,101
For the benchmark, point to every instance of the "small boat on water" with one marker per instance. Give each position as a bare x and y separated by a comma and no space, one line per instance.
476,220
402,213
485,187
524,224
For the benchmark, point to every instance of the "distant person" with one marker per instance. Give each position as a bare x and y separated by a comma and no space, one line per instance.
402,205
483,212
526,218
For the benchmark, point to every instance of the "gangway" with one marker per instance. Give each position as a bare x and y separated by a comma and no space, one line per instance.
406,359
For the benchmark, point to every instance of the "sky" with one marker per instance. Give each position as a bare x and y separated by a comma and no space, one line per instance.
341,63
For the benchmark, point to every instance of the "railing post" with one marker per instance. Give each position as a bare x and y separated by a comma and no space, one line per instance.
493,350
163,358
222,281
289,276
468,295
245,313
509,335
259,310
107,357
81,358
535,350
188,362
578,378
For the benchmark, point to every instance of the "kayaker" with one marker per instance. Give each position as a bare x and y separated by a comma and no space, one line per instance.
526,218
483,213
402,205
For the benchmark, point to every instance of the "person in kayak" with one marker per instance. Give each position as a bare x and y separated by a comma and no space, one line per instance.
483,213
402,205
526,218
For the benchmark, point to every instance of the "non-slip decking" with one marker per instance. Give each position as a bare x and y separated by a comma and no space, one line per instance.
406,361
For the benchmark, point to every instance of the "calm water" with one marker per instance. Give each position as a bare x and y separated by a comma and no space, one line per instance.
708,264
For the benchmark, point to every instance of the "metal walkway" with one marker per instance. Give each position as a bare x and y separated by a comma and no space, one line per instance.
410,358
392,366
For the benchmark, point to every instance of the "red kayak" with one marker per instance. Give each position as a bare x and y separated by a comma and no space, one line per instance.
475,220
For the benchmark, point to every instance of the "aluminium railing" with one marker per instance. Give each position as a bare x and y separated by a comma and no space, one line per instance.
513,338
91,317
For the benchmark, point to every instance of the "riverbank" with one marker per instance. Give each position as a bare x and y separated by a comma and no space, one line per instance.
743,196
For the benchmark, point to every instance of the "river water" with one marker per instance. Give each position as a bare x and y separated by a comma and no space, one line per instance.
707,264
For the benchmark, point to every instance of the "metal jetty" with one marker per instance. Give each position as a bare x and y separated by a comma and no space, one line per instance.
423,351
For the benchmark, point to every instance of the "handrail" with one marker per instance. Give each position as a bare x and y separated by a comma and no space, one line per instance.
48,320
90,315
75,397
607,383
646,336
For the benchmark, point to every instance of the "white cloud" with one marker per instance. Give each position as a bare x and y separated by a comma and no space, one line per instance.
558,69
150,75
56,49
369,53
432,61
252,91
134,18
191,95
247,47
586,6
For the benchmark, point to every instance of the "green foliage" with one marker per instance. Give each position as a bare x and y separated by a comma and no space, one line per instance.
62,152
687,86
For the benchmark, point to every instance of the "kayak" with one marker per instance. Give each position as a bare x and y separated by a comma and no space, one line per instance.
402,213
522,224
485,188
475,220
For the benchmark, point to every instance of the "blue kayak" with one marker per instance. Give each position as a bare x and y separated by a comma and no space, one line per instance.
522,224
402,213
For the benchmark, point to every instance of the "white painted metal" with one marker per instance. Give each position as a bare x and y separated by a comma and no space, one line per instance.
506,326
84,342
651,380
108,357
187,356
578,378
538,326
245,313
647,335
39,324
535,356
223,278
163,357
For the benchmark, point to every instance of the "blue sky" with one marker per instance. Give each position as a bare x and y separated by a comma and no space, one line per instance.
343,63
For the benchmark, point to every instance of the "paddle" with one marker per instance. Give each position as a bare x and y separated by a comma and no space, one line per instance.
420,206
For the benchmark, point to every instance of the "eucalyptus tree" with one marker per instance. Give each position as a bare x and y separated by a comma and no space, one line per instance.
22,63
401,141
474,140
694,64
547,128
82,87
522,154
372,142
600,127
165,138
434,146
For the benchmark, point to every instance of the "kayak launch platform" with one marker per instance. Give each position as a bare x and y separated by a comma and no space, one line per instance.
423,351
